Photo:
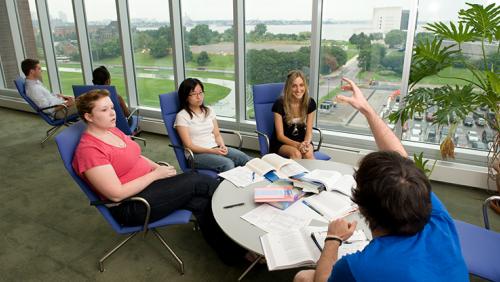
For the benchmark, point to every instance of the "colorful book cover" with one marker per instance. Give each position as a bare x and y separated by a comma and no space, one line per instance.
273,194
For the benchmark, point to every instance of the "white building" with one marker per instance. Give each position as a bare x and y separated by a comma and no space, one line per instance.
386,19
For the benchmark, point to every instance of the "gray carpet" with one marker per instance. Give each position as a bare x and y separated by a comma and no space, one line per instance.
50,233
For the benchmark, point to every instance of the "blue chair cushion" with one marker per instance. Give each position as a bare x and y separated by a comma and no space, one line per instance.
481,250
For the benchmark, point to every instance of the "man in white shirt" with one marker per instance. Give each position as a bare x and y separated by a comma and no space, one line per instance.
41,96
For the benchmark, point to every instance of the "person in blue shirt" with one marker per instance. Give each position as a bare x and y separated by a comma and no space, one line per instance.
414,238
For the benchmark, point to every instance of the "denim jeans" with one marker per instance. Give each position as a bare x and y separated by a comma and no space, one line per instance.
221,163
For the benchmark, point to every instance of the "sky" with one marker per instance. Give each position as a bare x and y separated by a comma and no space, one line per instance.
98,10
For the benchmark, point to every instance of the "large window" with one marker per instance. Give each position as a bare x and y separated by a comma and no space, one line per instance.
278,40
471,132
65,44
32,38
104,35
364,41
209,50
152,45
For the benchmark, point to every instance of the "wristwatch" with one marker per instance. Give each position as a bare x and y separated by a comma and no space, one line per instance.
334,238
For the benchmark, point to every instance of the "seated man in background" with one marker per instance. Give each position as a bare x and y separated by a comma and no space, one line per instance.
414,238
101,76
41,96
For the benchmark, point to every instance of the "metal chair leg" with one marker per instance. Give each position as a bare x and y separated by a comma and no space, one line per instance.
138,138
108,254
249,268
158,235
50,133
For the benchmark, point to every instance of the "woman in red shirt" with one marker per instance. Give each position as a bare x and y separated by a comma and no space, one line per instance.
113,165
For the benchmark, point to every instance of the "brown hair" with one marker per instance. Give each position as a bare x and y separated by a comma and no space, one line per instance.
287,97
85,103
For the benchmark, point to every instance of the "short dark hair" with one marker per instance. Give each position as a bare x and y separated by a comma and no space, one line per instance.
29,64
392,193
188,85
85,103
100,75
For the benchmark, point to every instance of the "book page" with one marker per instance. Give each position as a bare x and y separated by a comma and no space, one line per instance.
293,169
271,219
241,176
259,166
331,205
344,185
286,250
276,160
327,177
357,242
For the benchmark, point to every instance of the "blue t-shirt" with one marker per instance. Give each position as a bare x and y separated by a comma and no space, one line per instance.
433,254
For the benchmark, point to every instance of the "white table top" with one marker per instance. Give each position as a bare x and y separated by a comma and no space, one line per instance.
246,234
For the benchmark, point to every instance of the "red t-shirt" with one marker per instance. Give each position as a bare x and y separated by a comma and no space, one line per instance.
127,162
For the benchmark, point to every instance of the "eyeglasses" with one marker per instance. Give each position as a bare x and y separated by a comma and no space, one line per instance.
192,94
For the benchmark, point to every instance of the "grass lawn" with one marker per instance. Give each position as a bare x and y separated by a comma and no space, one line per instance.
149,88
365,75
449,72
330,95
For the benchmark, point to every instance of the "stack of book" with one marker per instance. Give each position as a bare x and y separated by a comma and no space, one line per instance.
280,194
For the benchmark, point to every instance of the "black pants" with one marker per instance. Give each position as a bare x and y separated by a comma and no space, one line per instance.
190,191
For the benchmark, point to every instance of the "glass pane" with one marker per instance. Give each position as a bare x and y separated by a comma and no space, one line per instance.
105,44
152,43
471,131
278,40
209,50
364,41
32,38
66,44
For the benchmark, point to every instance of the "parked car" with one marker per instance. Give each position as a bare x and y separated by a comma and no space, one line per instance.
418,116
458,132
431,135
326,107
479,145
480,122
488,135
472,136
468,121
430,117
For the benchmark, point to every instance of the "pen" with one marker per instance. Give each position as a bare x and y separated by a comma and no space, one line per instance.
316,242
312,208
234,205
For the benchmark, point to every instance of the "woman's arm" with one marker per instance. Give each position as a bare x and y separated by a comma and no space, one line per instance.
278,126
188,143
309,127
104,179
218,136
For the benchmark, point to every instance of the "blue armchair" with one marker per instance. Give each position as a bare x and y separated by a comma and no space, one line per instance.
169,104
55,123
480,246
128,125
264,96
67,141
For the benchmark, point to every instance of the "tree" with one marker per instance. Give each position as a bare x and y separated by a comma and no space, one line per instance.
360,40
201,34
188,55
395,37
159,48
228,35
364,58
376,36
142,40
394,61
260,29
377,55
332,58
203,59
423,37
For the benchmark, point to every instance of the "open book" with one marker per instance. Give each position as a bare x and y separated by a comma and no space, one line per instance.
333,180
272,162
301,247
331,205
271,167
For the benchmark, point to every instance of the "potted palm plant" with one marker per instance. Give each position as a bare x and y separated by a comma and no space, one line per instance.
477,85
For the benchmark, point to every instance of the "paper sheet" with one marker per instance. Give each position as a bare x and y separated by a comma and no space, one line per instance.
241,176
271,219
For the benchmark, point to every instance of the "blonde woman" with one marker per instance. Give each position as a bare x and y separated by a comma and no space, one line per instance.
293,119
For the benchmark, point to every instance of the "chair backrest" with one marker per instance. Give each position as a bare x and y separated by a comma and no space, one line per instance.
264,96
20,83
121,119
170,106
67,141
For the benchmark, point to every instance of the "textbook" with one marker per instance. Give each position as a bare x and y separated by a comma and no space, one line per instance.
302,247
333,180
331,205
273,194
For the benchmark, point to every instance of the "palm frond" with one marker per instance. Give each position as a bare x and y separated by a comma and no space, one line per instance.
462,33
484,20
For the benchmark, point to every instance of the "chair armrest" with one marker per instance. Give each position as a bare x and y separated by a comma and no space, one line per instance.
237,133
191,155
65,109
486,204
135,111
320,138
131,199
266,138
163,163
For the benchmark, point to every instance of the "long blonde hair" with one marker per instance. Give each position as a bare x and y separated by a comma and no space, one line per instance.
288,96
